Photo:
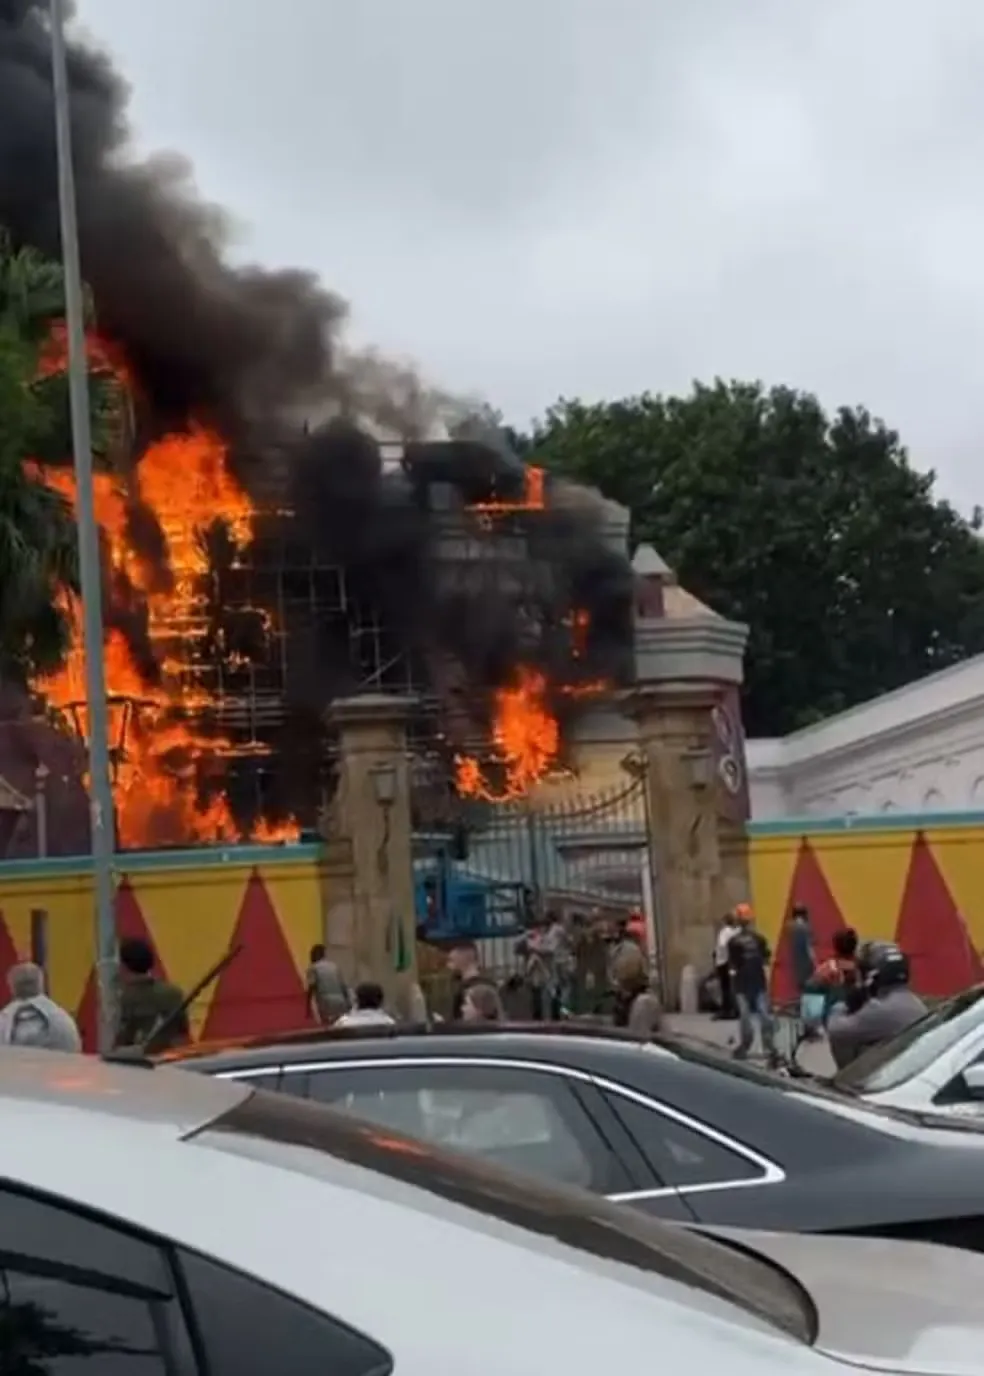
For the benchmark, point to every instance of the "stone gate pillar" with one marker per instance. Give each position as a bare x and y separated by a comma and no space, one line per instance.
687,670
372,808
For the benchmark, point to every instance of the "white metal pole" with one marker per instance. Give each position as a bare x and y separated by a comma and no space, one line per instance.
97,710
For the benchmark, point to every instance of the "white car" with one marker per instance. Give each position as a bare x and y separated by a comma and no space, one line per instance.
157,1223
936,1065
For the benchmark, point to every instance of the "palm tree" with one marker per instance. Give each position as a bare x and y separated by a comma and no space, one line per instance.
38,546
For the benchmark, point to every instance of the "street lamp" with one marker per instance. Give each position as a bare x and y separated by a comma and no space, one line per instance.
100,790
41,774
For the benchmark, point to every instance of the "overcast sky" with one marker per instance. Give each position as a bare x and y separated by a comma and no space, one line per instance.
595,197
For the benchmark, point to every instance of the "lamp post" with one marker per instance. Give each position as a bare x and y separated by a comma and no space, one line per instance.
100,789
41,809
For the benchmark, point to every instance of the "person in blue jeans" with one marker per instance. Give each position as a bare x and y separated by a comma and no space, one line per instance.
750,956
812,1002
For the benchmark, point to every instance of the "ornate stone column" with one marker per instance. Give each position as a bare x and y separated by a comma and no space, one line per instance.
687,670
372,808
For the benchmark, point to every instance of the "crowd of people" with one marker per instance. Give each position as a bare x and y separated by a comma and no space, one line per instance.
857,995
588,966
565,966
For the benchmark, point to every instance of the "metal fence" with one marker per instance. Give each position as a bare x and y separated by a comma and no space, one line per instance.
488,872
491,869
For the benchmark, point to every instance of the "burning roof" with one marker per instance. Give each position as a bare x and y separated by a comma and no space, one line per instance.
216,363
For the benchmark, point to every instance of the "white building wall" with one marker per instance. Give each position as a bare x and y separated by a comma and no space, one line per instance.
918,749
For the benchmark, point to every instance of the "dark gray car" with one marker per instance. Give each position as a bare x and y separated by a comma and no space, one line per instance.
670,1127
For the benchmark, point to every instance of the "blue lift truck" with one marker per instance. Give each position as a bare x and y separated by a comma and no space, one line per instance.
452,904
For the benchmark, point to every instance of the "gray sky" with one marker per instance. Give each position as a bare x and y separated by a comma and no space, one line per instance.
594,197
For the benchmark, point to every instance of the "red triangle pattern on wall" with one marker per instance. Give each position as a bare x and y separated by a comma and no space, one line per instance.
9,956
130,922
931,931
809,887
261,990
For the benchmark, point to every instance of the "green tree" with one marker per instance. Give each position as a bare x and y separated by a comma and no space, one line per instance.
815,530
38,548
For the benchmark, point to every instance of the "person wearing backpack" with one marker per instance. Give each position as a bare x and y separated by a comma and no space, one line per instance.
31,1018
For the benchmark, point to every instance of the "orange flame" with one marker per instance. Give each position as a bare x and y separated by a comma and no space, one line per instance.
526,738
533,498
102,357
160,758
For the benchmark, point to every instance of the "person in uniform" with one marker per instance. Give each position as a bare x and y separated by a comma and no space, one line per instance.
147,1003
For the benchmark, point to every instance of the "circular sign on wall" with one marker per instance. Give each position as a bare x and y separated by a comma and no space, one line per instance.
729,739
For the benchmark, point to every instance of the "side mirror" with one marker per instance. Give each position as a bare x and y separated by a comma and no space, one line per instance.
973,1078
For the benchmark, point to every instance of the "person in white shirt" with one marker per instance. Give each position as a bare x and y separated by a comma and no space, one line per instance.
727,931
368,1010
31,1018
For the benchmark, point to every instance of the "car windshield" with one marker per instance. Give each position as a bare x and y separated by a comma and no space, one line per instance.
270,1127
901,1058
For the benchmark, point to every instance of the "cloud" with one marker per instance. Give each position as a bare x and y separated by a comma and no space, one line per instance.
598,196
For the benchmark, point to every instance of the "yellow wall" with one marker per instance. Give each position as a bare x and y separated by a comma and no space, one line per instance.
191,911
906,879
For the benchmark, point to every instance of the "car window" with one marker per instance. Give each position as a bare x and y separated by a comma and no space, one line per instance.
956,1093
246,1326
77,1295
80,1296
58,1326
527,1121
901,1058
678,1154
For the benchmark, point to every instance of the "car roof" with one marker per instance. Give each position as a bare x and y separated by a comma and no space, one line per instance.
694,1074
376,1206
564,1041
594,1049
51,1081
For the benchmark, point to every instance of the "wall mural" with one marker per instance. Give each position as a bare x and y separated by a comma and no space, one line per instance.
918,886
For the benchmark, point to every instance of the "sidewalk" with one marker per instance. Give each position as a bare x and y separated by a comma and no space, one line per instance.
813,1056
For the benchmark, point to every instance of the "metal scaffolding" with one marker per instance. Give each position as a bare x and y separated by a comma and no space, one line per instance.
275,630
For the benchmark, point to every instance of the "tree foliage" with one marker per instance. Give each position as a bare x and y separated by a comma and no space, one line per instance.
38,547
815,530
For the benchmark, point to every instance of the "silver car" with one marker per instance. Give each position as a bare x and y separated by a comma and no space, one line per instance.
154,1222
936,1065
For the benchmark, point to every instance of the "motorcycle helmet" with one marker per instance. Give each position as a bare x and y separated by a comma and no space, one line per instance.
890,968
870,955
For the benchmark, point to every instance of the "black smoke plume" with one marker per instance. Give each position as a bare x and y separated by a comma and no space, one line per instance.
250,352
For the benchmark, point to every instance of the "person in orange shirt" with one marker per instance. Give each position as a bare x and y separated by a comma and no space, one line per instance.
841,974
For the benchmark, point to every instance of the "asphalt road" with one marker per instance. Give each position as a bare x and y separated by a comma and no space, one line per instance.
814,1056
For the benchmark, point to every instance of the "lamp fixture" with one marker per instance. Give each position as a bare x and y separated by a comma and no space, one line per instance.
383,777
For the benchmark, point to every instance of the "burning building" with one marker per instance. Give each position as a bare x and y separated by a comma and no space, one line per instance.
222,656
254,567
